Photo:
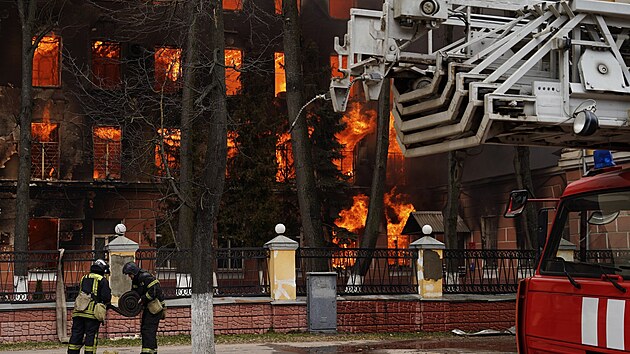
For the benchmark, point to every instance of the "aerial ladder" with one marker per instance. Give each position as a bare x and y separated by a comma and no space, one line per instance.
533,73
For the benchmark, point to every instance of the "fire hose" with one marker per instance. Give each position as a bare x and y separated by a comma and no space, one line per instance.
129,304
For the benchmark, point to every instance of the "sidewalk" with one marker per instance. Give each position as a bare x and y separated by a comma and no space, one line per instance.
481,345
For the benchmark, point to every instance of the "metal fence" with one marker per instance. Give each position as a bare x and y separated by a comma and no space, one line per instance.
32,276
237,271
486,271
360,271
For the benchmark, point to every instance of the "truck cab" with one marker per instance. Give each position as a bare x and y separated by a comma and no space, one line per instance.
578,302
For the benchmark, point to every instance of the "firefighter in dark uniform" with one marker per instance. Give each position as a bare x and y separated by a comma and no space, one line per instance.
84,323
149,290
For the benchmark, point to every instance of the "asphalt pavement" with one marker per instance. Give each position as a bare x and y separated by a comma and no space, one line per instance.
450,345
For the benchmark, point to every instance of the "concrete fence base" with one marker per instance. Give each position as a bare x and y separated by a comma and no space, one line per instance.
355,314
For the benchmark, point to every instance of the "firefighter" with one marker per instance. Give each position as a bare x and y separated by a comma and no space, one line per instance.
94,289
152,301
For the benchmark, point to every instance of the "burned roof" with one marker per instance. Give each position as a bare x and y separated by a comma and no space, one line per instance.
417,219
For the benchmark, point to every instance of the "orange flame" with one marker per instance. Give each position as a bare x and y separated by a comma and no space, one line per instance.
44,131
106,49
353,219
280,78
359,123
233,62
171,138
400,210
231,144
167,64
284,158
108,133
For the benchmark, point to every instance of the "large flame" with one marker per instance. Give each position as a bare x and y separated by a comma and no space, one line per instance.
359,123
399,210
284,158
280,77
108,133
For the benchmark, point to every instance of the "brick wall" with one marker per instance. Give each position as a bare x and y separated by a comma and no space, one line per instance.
353,316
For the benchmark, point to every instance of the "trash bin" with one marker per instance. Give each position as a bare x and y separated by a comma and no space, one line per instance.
321,302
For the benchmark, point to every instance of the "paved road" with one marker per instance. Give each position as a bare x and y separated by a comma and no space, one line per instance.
450,345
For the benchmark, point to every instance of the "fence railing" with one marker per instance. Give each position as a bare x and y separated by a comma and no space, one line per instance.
32,276
237,271
486,271
360,271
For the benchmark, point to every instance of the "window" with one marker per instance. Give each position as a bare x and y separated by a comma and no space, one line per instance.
232,151
106,64
280,77
232,5
278,6
233,62
168,150
284,159
45,147
168,68
46,61
340,9
107,151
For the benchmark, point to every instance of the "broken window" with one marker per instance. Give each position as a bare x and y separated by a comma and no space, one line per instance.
340,9
279,74
46,61
167,152
106,64
168,68
233,62
45,147
232,5
107,152
284,159
278,6
42,234
72,235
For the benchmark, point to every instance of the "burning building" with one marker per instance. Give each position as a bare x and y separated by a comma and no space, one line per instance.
95,165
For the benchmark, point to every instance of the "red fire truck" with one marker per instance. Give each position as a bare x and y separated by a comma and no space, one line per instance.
578,302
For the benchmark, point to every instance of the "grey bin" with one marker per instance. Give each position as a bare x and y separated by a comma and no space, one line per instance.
321,302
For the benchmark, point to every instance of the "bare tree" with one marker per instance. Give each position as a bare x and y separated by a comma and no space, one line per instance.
524,180
379,174
310,207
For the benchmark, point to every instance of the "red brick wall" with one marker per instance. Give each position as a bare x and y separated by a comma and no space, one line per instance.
354,316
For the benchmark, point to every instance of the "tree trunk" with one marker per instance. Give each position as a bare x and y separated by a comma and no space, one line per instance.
212,176
310,208
455,170
377,190
190,84
524,181
27,11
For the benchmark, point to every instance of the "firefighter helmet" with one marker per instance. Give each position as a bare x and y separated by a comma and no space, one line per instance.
130,268
100,266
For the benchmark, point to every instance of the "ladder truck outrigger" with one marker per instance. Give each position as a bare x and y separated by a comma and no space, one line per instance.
524,72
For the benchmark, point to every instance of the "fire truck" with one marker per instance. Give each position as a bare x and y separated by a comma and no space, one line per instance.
520,72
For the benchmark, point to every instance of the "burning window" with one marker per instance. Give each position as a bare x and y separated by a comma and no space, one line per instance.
340,9
168,68
45,147
107,151
395,159
233,62
46,60
232,5
232,150
278,6
106,64
280,77
359,122
168,150
284,159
